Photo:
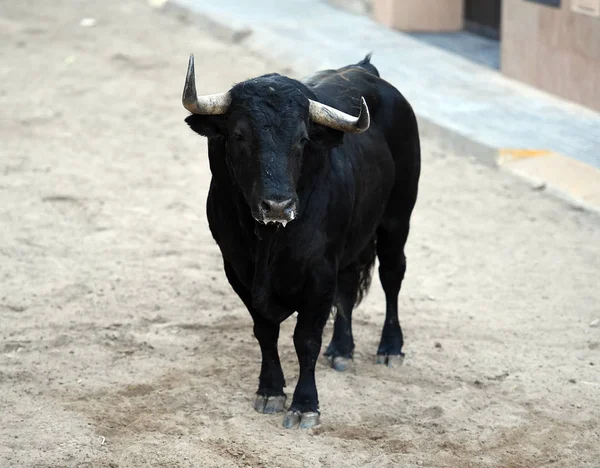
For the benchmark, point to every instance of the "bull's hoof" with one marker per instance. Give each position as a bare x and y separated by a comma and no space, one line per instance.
390,360
338,360
269,404
340,363
306,420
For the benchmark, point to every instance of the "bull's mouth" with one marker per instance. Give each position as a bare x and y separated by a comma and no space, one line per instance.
268,221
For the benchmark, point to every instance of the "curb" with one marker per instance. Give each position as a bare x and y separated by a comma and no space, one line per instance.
568,179
574,181
571,180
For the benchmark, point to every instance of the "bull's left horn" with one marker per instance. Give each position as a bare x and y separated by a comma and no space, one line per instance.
212,104
338,120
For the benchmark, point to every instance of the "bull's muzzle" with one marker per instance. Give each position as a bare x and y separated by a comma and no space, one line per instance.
277,211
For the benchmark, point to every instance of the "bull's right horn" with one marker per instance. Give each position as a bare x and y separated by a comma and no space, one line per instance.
212,104
338,120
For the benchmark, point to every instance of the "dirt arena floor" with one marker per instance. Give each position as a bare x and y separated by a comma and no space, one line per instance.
122,344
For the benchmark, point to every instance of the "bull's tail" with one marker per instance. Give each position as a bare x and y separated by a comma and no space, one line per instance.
367,65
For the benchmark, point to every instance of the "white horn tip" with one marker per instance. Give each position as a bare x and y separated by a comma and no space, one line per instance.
189,89
364,118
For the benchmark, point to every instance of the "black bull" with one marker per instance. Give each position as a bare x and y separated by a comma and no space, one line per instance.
347,193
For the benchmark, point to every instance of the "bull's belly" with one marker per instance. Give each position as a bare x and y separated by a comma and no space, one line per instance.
362,231
357,246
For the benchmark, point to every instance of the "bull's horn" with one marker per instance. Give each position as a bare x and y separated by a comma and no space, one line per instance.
338,120
211,104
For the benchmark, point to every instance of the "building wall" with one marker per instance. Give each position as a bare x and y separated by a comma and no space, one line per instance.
419,15
409,15
554,49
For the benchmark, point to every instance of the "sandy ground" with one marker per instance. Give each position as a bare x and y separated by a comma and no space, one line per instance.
122,345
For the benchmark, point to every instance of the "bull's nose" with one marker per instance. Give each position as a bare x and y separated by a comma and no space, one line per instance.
279,209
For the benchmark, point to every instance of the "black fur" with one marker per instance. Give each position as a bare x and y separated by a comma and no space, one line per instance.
354,194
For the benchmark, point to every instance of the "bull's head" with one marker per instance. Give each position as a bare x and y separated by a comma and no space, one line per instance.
267,124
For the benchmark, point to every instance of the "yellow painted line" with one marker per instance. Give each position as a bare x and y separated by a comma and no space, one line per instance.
579,181
523,153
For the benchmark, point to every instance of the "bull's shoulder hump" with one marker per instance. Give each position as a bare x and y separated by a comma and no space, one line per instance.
318,77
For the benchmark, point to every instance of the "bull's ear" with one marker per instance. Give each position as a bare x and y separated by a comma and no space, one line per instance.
210,126
325,137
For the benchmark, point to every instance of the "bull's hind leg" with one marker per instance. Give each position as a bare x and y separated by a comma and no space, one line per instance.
341,346
392,266
269,396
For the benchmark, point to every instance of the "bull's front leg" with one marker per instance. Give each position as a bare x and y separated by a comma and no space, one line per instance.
270,397
312,316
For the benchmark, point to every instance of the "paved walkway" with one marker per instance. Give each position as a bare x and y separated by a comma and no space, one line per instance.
478,49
